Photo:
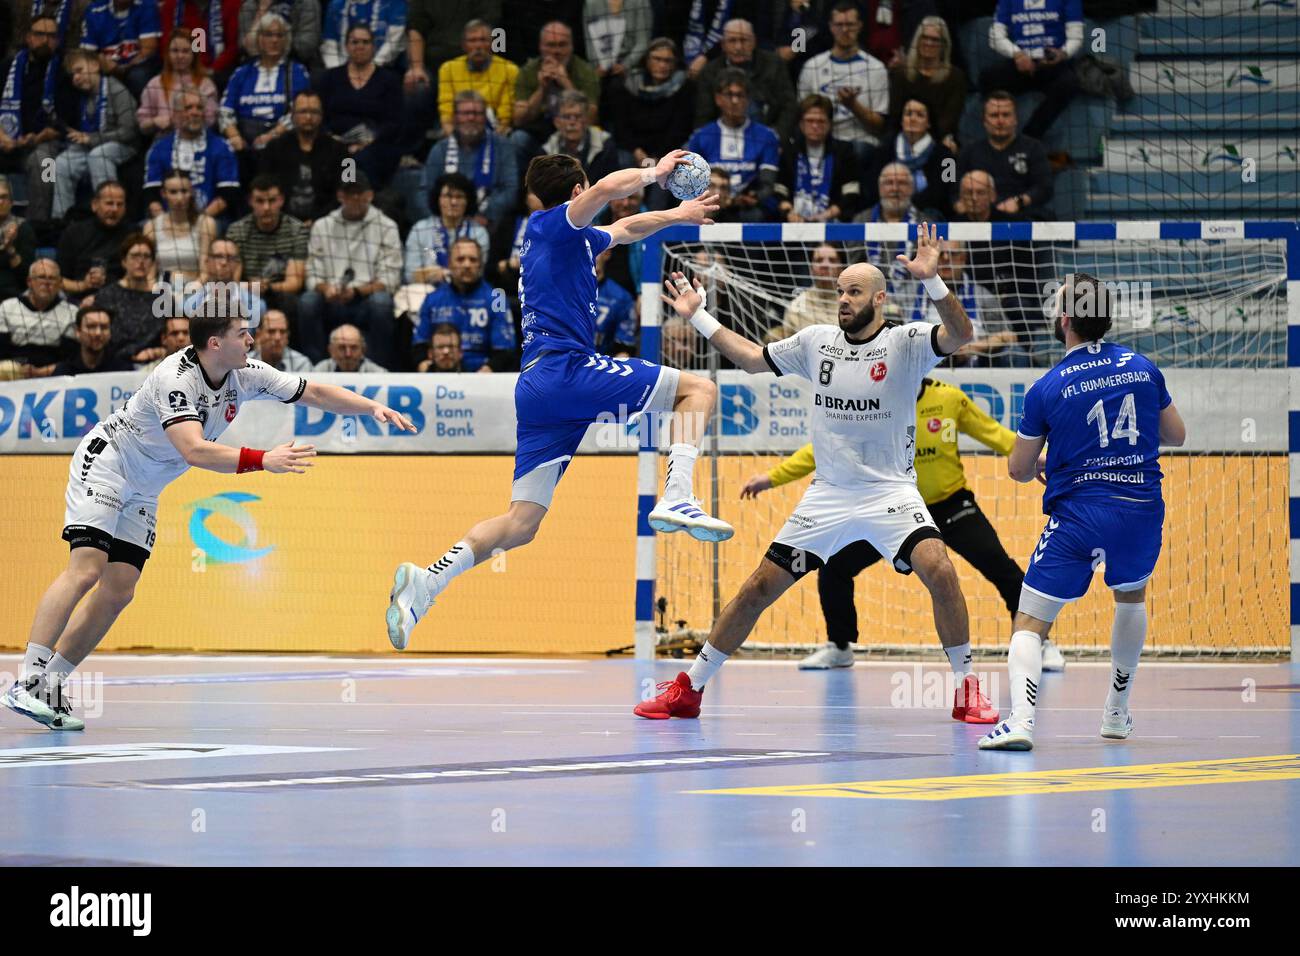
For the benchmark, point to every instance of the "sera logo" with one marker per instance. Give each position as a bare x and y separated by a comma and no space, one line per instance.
229,505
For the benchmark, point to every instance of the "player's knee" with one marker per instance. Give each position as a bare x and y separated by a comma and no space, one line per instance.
117,593
698,387
82,578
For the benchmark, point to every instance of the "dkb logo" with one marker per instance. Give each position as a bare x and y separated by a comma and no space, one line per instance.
738,415
228,504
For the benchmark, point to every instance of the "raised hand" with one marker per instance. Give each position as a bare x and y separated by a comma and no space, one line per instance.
697,211
684,297
925,263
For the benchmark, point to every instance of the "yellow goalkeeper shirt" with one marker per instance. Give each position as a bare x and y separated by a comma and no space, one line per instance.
942,410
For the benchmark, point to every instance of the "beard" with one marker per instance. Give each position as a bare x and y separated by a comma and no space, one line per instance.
860,321
1058,330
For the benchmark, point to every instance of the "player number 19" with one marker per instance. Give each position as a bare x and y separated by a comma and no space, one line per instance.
1125,424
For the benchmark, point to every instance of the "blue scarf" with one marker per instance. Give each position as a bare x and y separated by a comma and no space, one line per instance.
440,249
699,40
913,159
61,16
93,122
216,26
812,185
11,99
484,169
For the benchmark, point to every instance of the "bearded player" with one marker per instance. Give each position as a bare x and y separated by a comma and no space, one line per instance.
169,424
564,385
865,376
1104,412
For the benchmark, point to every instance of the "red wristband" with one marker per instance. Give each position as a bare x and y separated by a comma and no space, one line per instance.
250,459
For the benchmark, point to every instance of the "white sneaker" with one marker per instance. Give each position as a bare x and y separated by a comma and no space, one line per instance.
1116,724
20,699
1053,659
63,719
684,514
408,602
827,657
1011,734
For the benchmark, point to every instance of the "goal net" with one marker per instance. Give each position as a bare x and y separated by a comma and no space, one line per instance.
1206,301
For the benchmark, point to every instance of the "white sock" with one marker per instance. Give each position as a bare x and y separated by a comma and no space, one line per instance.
35,660
1025,667
1127,635
959,658
458,559
706,665
681,471
57,672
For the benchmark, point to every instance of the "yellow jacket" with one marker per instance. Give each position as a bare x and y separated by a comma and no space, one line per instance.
942,411
496,83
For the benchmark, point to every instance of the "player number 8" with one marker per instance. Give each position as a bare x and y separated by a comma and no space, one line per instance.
827,367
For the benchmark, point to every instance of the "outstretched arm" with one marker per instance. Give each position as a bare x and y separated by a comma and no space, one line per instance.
694,211
331,398
687,302
620,184
924,266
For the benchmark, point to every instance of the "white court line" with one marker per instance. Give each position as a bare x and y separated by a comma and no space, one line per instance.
755,734
1239,736
916,735
1076,736
429,731
356,730
521,731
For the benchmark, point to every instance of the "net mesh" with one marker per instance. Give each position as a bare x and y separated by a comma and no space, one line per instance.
1212,314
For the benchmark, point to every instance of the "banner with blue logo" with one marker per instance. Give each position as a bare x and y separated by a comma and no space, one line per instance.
475,414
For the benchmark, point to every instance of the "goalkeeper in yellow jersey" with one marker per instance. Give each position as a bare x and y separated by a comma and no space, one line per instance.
942,411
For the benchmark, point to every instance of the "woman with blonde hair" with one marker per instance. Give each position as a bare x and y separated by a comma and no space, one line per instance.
929,75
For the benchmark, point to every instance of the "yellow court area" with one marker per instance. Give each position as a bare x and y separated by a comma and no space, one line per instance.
1087,779
326,544
1225,551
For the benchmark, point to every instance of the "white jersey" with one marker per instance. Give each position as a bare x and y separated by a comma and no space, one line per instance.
864,397
827,74
178,390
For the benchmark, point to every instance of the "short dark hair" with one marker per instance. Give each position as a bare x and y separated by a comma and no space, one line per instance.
846,6
86,310
459,240
995,95
108,184
732,76
552,178
264,182
204,326
135,239
459,182
1086,301
445,328
816,101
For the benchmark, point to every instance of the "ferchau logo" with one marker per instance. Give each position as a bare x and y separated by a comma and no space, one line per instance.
103,909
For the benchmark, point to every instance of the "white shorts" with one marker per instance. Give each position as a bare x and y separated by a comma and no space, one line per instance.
100,509
892,518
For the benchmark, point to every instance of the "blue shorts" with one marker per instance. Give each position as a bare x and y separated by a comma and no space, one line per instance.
1081,535
561,394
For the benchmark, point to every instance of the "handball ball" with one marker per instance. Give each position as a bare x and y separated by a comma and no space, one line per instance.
690,182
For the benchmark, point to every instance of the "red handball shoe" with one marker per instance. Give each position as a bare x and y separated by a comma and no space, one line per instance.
676,699
971,705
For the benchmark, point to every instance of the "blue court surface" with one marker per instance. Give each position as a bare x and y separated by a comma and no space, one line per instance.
435,761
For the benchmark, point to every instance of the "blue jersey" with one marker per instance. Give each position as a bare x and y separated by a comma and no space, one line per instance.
118,37
210,162
481,316
557,282
1038,24
615,317
1099,409
741,153
249,96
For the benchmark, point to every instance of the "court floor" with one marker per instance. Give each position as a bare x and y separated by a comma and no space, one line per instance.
427,761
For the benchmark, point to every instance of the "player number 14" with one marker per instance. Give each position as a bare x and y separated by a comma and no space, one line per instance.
1125,424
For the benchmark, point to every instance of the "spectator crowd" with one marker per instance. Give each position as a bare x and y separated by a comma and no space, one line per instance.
349,172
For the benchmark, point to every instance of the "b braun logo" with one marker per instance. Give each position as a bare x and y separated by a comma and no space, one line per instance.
229,505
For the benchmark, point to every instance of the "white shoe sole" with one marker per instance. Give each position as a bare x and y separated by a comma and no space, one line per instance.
803,666
68,724
396,617
1116,732
1012,741
698,532
40,717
